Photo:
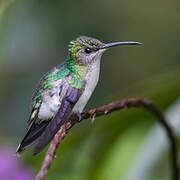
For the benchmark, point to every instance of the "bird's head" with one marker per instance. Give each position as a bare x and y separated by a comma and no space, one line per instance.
85,50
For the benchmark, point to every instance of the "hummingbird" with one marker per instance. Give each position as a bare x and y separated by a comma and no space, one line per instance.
65,90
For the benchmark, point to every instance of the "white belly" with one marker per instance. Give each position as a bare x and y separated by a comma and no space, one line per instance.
92,78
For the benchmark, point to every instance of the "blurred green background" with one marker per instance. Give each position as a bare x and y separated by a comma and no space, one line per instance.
34,36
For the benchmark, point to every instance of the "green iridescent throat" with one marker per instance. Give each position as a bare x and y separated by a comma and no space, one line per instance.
77,70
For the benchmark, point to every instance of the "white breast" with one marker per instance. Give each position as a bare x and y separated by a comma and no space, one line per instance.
92,78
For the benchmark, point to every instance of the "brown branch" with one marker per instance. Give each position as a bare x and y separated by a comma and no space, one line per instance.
114,106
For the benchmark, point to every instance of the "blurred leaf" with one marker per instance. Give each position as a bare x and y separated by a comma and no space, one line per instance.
4,4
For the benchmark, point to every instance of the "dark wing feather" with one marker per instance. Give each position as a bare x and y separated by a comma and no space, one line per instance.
64,112
34,131
32,135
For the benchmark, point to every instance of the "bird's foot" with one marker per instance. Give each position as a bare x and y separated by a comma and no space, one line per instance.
92,113
79,116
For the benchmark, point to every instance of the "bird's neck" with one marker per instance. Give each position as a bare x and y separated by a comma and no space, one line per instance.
76,69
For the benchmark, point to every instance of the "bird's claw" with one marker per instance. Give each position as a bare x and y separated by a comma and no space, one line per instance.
79,116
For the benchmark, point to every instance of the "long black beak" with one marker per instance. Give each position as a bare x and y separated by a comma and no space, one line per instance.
120,43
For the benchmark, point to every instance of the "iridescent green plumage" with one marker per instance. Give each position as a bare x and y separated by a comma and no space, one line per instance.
46,82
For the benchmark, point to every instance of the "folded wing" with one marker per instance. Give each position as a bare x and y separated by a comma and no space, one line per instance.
70,98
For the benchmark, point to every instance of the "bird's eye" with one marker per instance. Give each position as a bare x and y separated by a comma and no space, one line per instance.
88,50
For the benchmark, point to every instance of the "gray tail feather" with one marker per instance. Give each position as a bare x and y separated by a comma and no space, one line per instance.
32,135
